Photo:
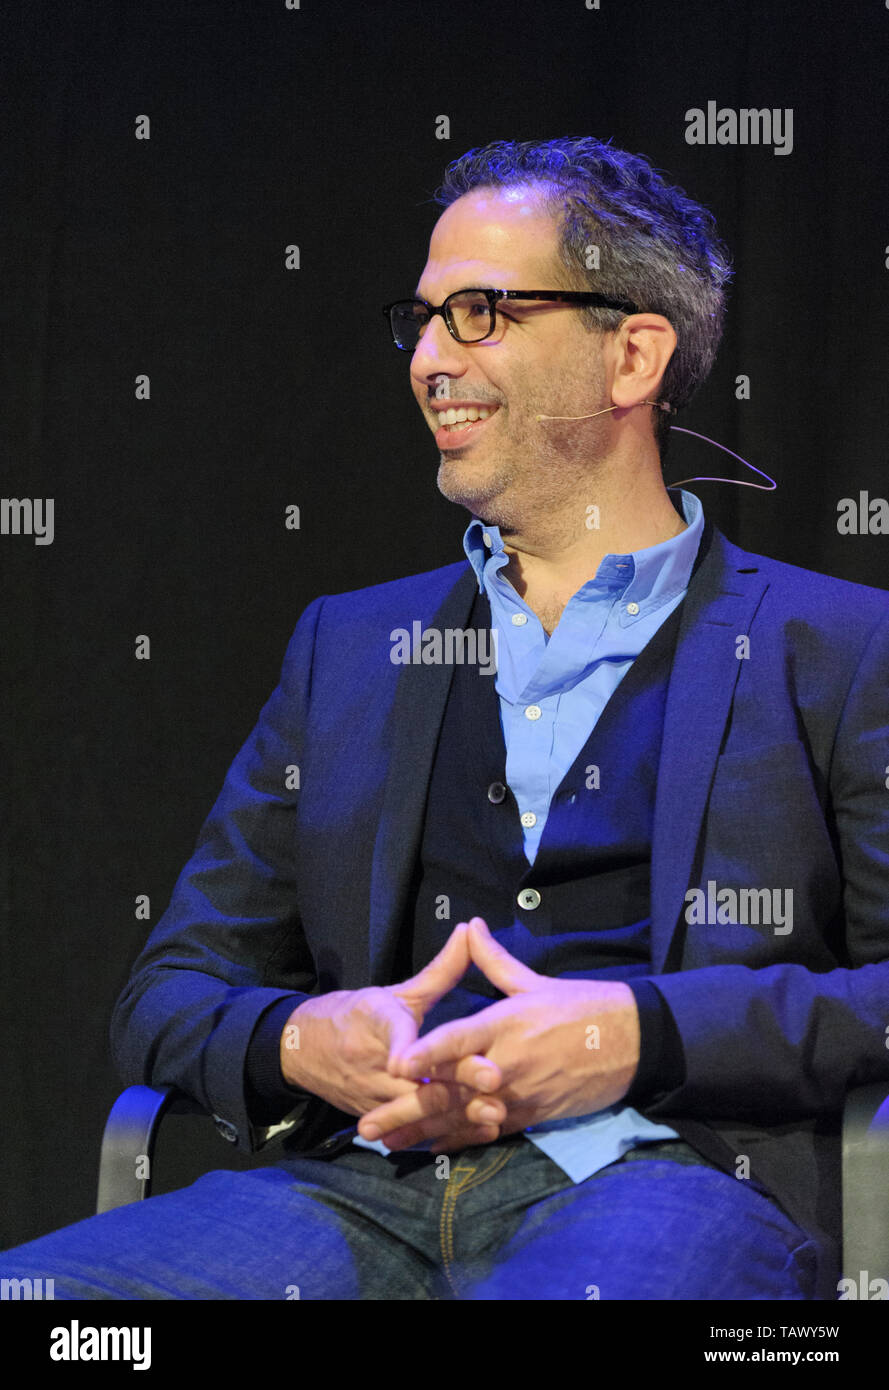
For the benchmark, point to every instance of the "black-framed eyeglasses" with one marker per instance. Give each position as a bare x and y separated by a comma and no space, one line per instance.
471,314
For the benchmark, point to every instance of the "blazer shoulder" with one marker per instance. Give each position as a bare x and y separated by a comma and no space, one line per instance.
393,594
806,592
359,615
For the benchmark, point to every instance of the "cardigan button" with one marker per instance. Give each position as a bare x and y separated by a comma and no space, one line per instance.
529,898
496,793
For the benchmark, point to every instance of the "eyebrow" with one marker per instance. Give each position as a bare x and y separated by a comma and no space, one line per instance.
478,285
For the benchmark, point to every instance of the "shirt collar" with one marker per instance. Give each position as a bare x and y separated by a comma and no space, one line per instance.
646,577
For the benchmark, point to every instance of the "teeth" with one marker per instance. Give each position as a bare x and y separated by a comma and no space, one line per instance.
465,415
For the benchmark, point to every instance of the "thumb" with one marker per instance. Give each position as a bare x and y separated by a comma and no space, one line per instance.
494,961
444,971
402,1027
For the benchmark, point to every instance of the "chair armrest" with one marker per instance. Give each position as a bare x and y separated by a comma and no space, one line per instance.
129,1139
128,1142
865,1182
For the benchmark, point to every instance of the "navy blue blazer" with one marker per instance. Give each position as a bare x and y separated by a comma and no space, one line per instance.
773,774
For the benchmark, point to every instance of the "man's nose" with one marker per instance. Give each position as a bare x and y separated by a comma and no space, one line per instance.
437,353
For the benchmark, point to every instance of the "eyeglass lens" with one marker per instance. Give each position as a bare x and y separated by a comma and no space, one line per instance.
470,316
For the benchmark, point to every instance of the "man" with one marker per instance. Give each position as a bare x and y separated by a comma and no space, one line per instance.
631,886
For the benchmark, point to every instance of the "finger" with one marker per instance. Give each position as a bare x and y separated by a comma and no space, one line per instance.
495,962
381,1089
447,1132
477,1073
430,1099
433,1117
437,978
451,1042
449,1105
402,1026
372,1090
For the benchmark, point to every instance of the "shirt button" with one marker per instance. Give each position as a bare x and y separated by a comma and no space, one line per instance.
487,540
633,609
533,712
519,619
496,792
529,818
529,898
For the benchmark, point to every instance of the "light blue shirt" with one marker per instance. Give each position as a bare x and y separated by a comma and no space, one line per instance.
570,677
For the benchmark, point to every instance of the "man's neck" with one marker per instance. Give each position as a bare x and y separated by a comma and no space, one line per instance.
551,561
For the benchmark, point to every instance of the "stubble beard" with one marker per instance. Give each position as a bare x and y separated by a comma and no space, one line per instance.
521,484
480,497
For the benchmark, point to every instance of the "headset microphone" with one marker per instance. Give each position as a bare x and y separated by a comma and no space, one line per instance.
661,405
672,410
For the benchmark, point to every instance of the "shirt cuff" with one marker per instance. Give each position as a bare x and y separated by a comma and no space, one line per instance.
661,1055
269,1097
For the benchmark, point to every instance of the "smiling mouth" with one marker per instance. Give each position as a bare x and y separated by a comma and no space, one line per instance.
457,426
458,419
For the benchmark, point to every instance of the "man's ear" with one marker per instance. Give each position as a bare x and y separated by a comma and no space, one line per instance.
641,349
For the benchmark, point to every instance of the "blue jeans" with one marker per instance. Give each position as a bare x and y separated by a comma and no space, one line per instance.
503,1223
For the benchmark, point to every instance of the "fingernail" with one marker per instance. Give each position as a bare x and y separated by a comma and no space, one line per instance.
371,1132
489,1115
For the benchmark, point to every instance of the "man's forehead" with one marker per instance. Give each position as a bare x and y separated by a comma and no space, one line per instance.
495,237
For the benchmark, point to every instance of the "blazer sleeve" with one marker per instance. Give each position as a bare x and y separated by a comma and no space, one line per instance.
781,1042
230,949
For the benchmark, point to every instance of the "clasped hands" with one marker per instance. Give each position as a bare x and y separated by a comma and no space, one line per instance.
551,1049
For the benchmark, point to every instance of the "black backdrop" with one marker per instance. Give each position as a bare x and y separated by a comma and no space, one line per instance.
270,387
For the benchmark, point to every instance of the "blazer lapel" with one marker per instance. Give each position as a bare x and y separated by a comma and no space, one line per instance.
719,607
417,714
